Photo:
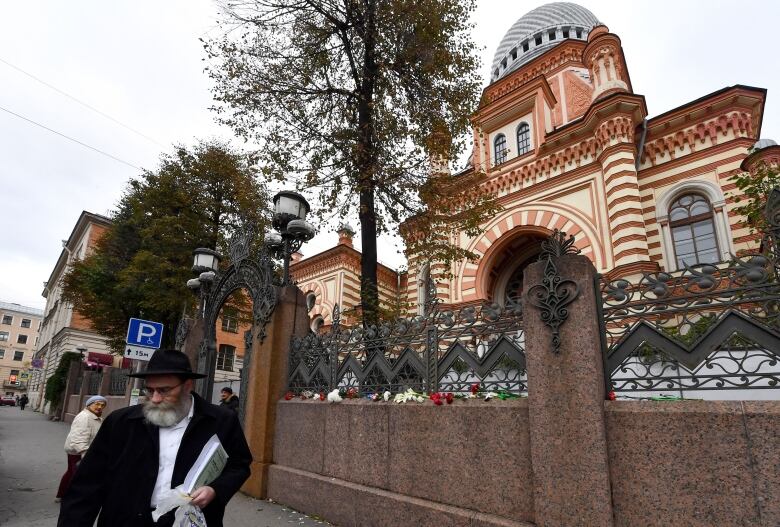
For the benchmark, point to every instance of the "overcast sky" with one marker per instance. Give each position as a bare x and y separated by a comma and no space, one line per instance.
140,62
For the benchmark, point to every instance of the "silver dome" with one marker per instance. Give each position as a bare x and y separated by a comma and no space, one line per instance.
539,30
763,143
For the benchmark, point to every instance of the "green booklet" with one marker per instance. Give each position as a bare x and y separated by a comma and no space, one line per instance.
208,466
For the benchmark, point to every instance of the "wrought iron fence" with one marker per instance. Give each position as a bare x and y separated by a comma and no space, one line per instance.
445,350
94,379
118,383
705,327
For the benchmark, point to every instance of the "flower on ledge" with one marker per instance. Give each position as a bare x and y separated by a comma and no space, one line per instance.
334,397
409,395
288,396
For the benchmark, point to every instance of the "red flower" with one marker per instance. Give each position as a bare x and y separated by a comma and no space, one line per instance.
475,388
436,398
303,397
351,393
438,402
322,396
449,398
288,396
611,395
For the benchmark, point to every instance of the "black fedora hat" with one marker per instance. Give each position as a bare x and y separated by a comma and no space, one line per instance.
168,362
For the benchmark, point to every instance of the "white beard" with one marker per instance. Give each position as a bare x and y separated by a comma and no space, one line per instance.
166,414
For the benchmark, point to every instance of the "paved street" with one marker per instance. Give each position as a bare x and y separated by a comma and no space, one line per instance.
32,461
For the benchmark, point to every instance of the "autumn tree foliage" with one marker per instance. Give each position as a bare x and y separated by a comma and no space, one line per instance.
196,198
755,186
354,101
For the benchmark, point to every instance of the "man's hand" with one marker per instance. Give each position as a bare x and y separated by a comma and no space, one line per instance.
203,496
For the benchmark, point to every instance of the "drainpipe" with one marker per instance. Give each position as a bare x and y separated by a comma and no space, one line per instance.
641,145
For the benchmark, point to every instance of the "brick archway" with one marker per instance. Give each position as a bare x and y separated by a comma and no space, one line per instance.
474,280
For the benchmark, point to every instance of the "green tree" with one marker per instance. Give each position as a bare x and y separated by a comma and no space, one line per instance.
354,100
139,268
55,386
755,187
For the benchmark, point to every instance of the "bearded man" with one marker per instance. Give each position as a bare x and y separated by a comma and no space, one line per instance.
143,451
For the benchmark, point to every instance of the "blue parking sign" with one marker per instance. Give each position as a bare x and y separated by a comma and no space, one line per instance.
144,333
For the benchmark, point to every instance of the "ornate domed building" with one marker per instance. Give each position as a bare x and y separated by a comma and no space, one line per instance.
567,144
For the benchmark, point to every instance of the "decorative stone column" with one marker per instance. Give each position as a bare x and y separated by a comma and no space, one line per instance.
621,186
566,391
267,373
604,58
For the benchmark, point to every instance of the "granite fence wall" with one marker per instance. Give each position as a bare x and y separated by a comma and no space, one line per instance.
563,457
681,463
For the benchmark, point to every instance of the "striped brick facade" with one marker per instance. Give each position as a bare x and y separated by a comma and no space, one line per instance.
599,168
583,176
333,277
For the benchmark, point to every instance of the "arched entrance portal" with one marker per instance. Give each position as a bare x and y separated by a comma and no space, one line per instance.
505,266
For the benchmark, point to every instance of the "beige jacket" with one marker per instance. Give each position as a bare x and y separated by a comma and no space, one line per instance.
83,430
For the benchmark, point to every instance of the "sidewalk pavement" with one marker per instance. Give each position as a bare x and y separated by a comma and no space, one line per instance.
33,461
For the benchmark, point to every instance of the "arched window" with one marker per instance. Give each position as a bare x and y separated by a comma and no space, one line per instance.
523,139
499,147
692,226
423,293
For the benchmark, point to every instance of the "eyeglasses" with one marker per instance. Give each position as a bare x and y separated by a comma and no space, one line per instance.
149,392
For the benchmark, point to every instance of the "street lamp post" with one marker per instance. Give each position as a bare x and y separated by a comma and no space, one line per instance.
289,220
291,232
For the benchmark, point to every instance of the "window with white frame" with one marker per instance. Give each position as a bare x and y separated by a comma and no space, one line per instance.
226,356
230,320
2,354
523,138
423,289
26,322
692,226
18,356
499,149
4,336
8,320
21,339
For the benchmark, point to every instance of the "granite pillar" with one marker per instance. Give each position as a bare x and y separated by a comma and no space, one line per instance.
268,382
566,405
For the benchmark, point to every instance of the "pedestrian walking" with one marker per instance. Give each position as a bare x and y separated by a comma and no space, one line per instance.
144,451
23,400
83,430
229,400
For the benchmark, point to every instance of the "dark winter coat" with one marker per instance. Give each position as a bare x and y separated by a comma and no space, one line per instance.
231,402
116,478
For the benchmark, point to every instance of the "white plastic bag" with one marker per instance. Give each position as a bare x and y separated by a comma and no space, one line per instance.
187,515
